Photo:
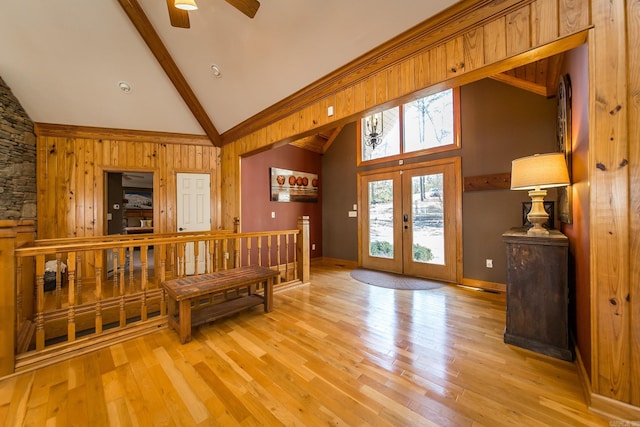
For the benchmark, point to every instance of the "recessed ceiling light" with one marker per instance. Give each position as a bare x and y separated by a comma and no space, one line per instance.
124,87
216,71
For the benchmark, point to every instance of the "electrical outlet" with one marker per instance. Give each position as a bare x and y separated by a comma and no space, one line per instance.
313,246
273,214
489,263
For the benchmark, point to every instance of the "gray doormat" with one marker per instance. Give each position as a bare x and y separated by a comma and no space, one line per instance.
392,280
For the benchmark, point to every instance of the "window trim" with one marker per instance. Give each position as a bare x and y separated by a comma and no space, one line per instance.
411,154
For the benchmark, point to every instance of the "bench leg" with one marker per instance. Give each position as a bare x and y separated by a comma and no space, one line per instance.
185,321
171,313
268,295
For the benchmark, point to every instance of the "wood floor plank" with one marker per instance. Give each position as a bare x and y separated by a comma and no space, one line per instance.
335,352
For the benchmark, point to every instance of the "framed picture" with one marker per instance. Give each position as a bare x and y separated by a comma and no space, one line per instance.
549,208
138,198
293,186
563,138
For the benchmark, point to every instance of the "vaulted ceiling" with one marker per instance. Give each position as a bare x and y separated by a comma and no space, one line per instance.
64,59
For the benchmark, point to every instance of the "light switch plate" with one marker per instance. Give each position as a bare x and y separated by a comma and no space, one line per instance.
353,214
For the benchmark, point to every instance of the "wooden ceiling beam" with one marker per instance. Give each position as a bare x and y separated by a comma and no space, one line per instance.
522,84
332,138
140,20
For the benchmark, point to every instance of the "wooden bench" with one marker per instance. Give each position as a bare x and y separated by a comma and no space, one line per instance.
206,297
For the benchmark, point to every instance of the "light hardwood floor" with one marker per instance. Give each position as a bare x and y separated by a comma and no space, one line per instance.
336,352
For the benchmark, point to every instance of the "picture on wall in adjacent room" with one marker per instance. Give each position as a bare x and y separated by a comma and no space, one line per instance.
293,186
563,137
138,199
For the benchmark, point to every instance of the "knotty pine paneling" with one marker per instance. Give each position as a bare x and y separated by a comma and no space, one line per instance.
574,15
495,41
518,31
633,26
609,214
71,179
473,49
454,50
544,21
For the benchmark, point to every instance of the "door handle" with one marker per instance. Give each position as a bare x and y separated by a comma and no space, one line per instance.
405,217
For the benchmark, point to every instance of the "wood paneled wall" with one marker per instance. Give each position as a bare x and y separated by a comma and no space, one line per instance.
72,162
633,40
477,39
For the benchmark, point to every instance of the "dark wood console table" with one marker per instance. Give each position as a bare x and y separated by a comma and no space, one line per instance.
537,293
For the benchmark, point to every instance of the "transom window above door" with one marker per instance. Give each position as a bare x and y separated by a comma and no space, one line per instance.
425,125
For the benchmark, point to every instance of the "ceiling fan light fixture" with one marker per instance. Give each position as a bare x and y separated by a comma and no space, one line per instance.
185,4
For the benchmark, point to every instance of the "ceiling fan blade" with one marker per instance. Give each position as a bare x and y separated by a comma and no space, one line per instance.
179,18
248,7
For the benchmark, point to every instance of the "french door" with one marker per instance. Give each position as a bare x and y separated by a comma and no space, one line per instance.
411,220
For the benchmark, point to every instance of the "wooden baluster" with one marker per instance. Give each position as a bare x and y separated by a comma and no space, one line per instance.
207,258
19,295
143,282
181,258
122,260
269,241
286,256
216,254
170,261
58,292
99,293
248,250
259,241
115,272
278,248
131,270
71,316
295,256
162,278
163,264
39,302
123,312
196,256
225,253
78,280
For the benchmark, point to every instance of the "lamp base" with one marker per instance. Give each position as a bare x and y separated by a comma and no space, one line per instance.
537,215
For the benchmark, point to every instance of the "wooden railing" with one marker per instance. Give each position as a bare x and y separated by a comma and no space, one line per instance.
78,293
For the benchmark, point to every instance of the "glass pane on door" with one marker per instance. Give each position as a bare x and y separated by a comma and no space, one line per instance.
381,216
427,225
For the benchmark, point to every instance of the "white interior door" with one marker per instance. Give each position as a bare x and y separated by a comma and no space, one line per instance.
194,213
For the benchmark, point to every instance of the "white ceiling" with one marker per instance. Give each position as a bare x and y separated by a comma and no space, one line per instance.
63,59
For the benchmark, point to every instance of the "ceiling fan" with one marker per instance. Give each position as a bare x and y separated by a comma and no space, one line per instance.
180,17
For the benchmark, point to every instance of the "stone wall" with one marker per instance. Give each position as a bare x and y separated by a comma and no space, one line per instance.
17,159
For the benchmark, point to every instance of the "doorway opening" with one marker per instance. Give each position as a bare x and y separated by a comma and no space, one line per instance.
129,210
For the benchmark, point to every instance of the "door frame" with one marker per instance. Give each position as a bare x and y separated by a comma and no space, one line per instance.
457,221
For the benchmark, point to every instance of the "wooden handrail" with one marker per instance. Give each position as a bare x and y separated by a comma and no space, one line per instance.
69,244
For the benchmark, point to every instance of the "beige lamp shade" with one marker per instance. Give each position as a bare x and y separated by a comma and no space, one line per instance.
185,4
539,171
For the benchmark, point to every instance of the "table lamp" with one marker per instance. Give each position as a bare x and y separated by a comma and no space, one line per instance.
537,173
